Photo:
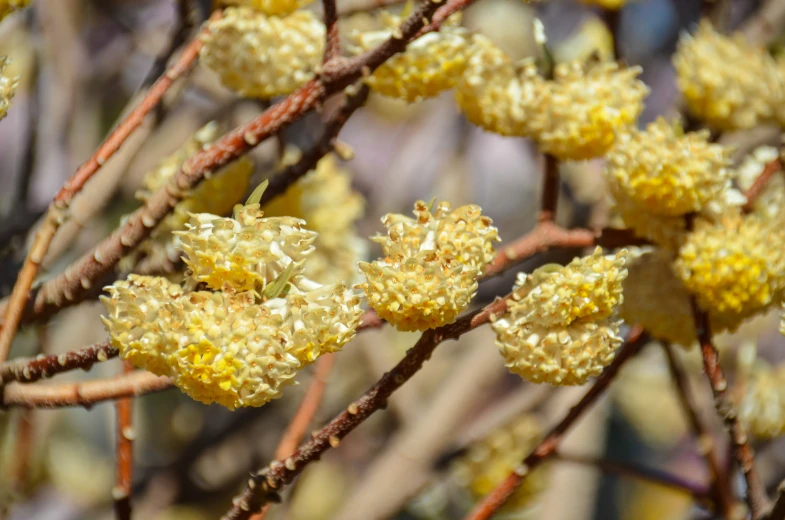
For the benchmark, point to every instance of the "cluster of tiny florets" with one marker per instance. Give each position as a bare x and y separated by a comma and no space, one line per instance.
577,114
490,460
726,81
430,64
9,6
762,404
217,194
270,7
668,173
494,93
7,86
260,55
735,269
325,199
560,327
246,320
431,265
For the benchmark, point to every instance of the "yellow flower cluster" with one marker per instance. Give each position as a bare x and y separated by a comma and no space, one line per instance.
576,115
260,55
7,87
490,460
725,81
561,327
270,7
606,4
431,265
217,194
762,405
240,342
430,64
325,200
666,173
9,6
770,204
494,93
735,269
655,299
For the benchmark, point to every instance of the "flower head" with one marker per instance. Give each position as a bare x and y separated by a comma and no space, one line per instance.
576,115
490,460
493,93
429,274
762,405
667,173
735,269
726,81
9,6
7,85
262,56
430,64
246,252
560,327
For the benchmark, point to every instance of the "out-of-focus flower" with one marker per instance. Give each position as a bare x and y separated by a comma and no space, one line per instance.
561,327
246,252
667,173
735,269
605,4
430,64
655,299
726,81
325,200
7,85
645,394
490,460
431,267
576,115
762,405
591,40
270,7
217,194
770,203
494,93
9,6
262,56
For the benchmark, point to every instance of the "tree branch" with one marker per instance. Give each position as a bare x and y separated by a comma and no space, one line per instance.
550,189
547,447
332,47
757,188
124,455
722,490
41,367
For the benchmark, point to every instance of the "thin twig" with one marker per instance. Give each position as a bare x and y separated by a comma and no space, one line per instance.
58,209
547,447
757,188
722,490
264,486
85,393
332,47
124,455
778,511
756,497
699,492
305,413
549,199
41,367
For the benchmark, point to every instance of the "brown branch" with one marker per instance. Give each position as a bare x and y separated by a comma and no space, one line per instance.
85,393
778,511
336,75
547,447
41,367
304,415
756,497
124,455
698,492
550,189
264,486
757,188
58,209
721,485
332,46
